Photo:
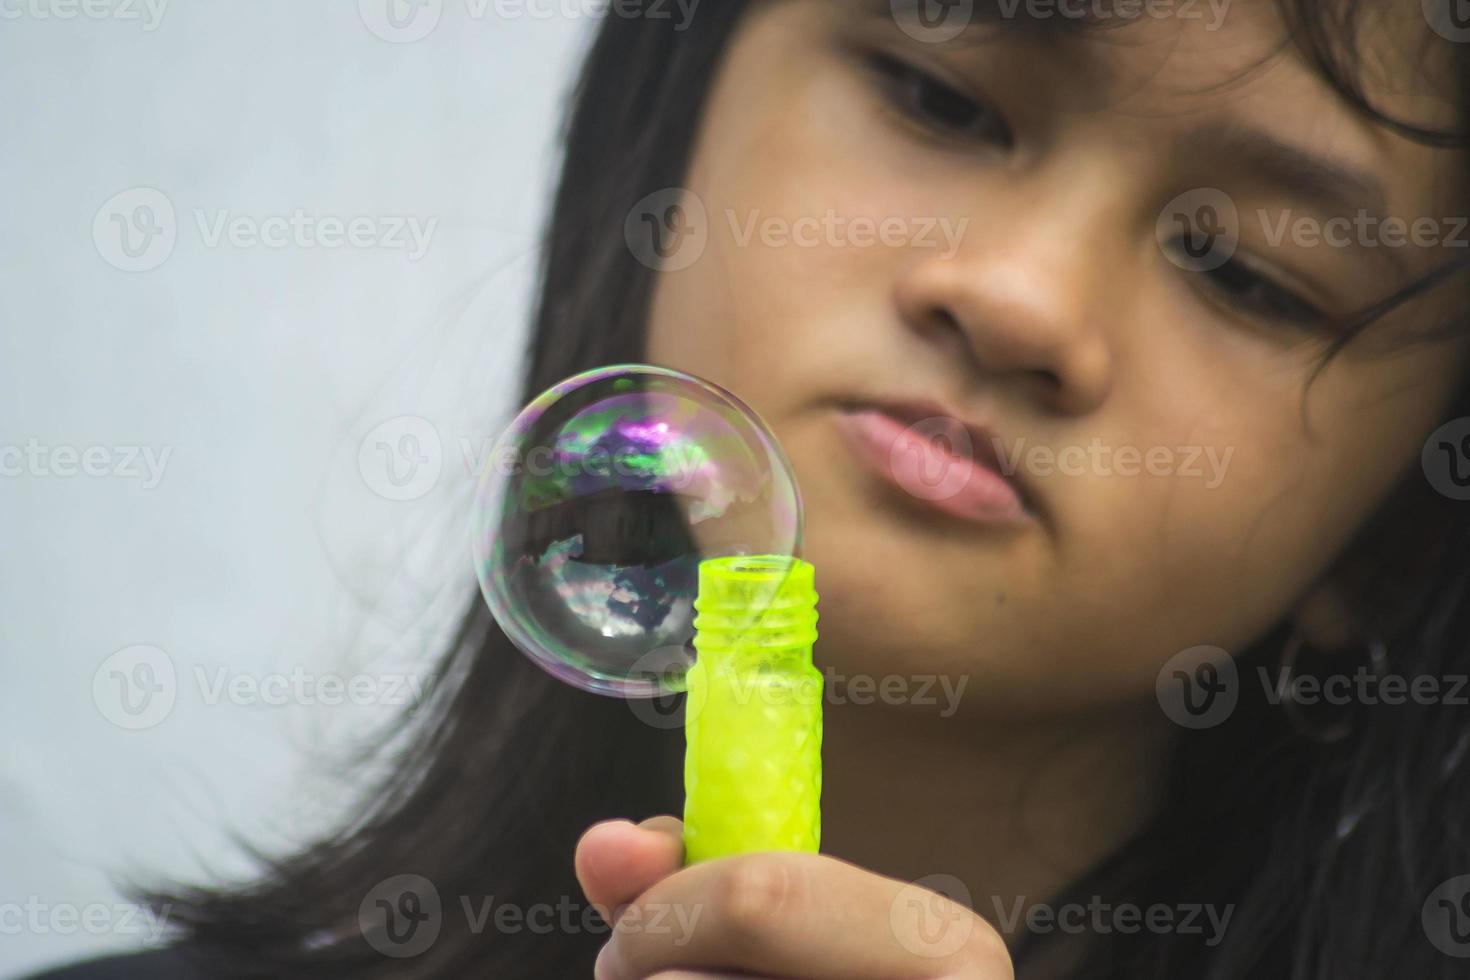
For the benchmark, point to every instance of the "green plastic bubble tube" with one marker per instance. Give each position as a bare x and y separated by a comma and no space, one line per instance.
753,717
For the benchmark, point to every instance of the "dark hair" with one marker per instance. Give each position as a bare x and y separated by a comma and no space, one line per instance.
1326,851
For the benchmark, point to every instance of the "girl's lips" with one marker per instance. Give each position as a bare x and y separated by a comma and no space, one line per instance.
934,461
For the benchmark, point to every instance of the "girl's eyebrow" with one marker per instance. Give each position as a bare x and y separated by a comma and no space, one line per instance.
1329,184
1333,186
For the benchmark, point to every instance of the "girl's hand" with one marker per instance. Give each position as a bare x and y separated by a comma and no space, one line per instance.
793,916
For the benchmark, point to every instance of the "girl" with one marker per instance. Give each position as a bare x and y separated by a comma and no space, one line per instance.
1140,257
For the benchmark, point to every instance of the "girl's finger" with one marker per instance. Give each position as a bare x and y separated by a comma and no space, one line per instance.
617,861
799,915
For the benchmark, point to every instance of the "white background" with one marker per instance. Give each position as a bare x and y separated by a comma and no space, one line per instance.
269,548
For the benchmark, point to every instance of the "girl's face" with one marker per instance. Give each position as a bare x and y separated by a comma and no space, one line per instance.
1032,234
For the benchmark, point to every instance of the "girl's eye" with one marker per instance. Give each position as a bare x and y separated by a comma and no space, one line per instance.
935,104
1257,295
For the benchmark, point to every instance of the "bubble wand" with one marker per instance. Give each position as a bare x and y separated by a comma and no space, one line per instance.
635,534
753,730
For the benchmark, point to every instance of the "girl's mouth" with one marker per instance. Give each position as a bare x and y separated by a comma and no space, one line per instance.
936,459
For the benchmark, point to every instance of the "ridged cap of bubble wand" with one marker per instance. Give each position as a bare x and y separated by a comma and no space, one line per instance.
755,604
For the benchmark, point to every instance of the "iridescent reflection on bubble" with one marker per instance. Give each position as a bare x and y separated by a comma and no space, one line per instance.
596,507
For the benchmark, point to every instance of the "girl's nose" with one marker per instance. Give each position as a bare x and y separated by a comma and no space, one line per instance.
1027,301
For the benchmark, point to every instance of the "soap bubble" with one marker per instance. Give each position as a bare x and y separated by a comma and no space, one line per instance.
597,506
